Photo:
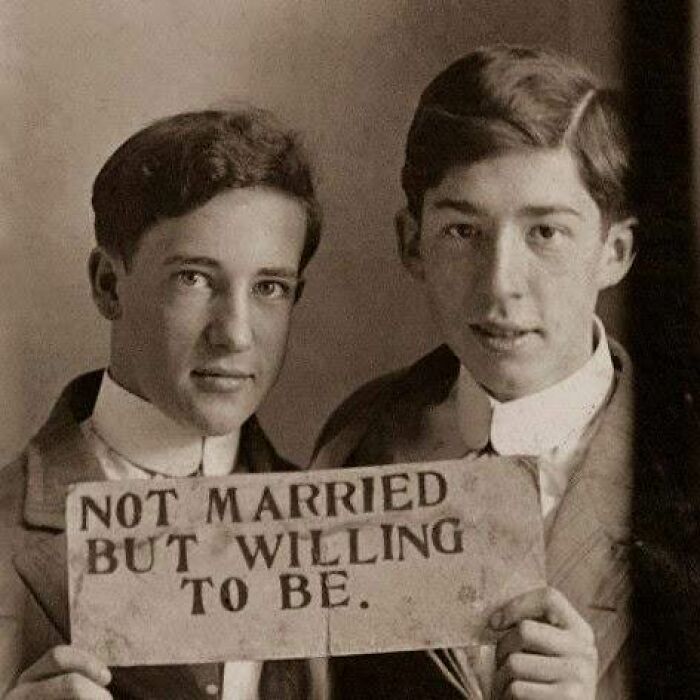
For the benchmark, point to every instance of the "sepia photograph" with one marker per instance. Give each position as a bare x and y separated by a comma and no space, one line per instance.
350,350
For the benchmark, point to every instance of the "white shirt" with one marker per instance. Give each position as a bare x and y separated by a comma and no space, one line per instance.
549,424
132,439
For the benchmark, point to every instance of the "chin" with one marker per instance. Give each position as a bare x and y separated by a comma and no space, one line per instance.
216,414
508,383
222,425
211,421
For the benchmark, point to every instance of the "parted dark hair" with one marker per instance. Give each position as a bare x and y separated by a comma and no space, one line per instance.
502,98
181,162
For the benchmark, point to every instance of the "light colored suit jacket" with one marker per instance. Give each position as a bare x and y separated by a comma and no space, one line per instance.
411,416
33,557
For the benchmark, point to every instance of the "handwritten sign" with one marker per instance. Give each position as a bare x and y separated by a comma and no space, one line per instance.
300,564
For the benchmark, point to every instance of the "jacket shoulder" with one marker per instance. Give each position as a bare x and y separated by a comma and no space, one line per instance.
13,479
408,389
12,494
350,421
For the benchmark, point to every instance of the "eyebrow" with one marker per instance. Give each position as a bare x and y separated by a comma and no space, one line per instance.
550,210
283,272
466,207
190,260
461,205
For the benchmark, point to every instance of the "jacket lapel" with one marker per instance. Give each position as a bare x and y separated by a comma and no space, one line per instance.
422,421
57,457
587,544
436,437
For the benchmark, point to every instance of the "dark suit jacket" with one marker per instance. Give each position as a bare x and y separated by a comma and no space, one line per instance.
410,416
32,493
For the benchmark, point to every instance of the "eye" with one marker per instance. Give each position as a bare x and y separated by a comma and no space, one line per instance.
192,278
462,231
545,232
272,289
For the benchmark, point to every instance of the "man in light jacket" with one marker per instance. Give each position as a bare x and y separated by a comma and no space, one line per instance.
205,222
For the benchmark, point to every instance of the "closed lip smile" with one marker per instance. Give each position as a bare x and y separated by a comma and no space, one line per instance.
223,372
222,379
502,337
500,329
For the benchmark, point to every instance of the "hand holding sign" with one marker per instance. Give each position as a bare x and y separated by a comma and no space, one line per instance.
63,672
548,652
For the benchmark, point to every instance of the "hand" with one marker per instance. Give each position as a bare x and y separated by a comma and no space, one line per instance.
63,672
549,652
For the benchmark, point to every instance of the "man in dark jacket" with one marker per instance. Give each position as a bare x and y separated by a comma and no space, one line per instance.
204,224
517,217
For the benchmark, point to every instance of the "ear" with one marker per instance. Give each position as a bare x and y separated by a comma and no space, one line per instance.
618,253
301,284
408,238
104,271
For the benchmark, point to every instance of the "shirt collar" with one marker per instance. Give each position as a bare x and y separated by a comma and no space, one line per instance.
145,436
539,422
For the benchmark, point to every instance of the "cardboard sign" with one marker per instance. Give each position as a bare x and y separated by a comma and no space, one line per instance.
304,564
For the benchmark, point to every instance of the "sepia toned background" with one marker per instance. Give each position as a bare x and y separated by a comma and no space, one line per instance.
79,77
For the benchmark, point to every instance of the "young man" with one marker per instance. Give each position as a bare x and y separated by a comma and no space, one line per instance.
517,217
204,223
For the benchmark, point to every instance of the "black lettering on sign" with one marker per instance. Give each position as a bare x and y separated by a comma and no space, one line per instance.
327,586
241,594
355,556
268,505
182,552
104,515
455,544
132,546
291,584
197,597
221,505
129,515
262,548
296,499
317,550
438,489
161,495
101,549
332,497
392,489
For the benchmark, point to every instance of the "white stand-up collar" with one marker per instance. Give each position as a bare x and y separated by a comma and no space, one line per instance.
142,434
539,422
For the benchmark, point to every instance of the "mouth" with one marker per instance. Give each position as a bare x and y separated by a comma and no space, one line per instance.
222,379
502,337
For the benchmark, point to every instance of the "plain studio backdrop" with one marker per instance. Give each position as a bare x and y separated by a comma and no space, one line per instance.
78,77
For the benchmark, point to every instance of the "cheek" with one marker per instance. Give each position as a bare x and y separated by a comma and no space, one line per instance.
271,330
180,327
448,286
564,300
572,274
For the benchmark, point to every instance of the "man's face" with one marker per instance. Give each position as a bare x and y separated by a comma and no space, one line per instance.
205,307
513,253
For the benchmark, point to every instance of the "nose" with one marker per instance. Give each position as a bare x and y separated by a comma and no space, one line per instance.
230,327
504,264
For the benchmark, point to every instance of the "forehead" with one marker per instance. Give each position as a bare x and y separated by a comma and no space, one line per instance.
237,229
514,181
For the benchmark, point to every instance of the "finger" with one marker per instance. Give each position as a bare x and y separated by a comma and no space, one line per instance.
527,690
534,667
546,604
68,686
66,659
539,638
